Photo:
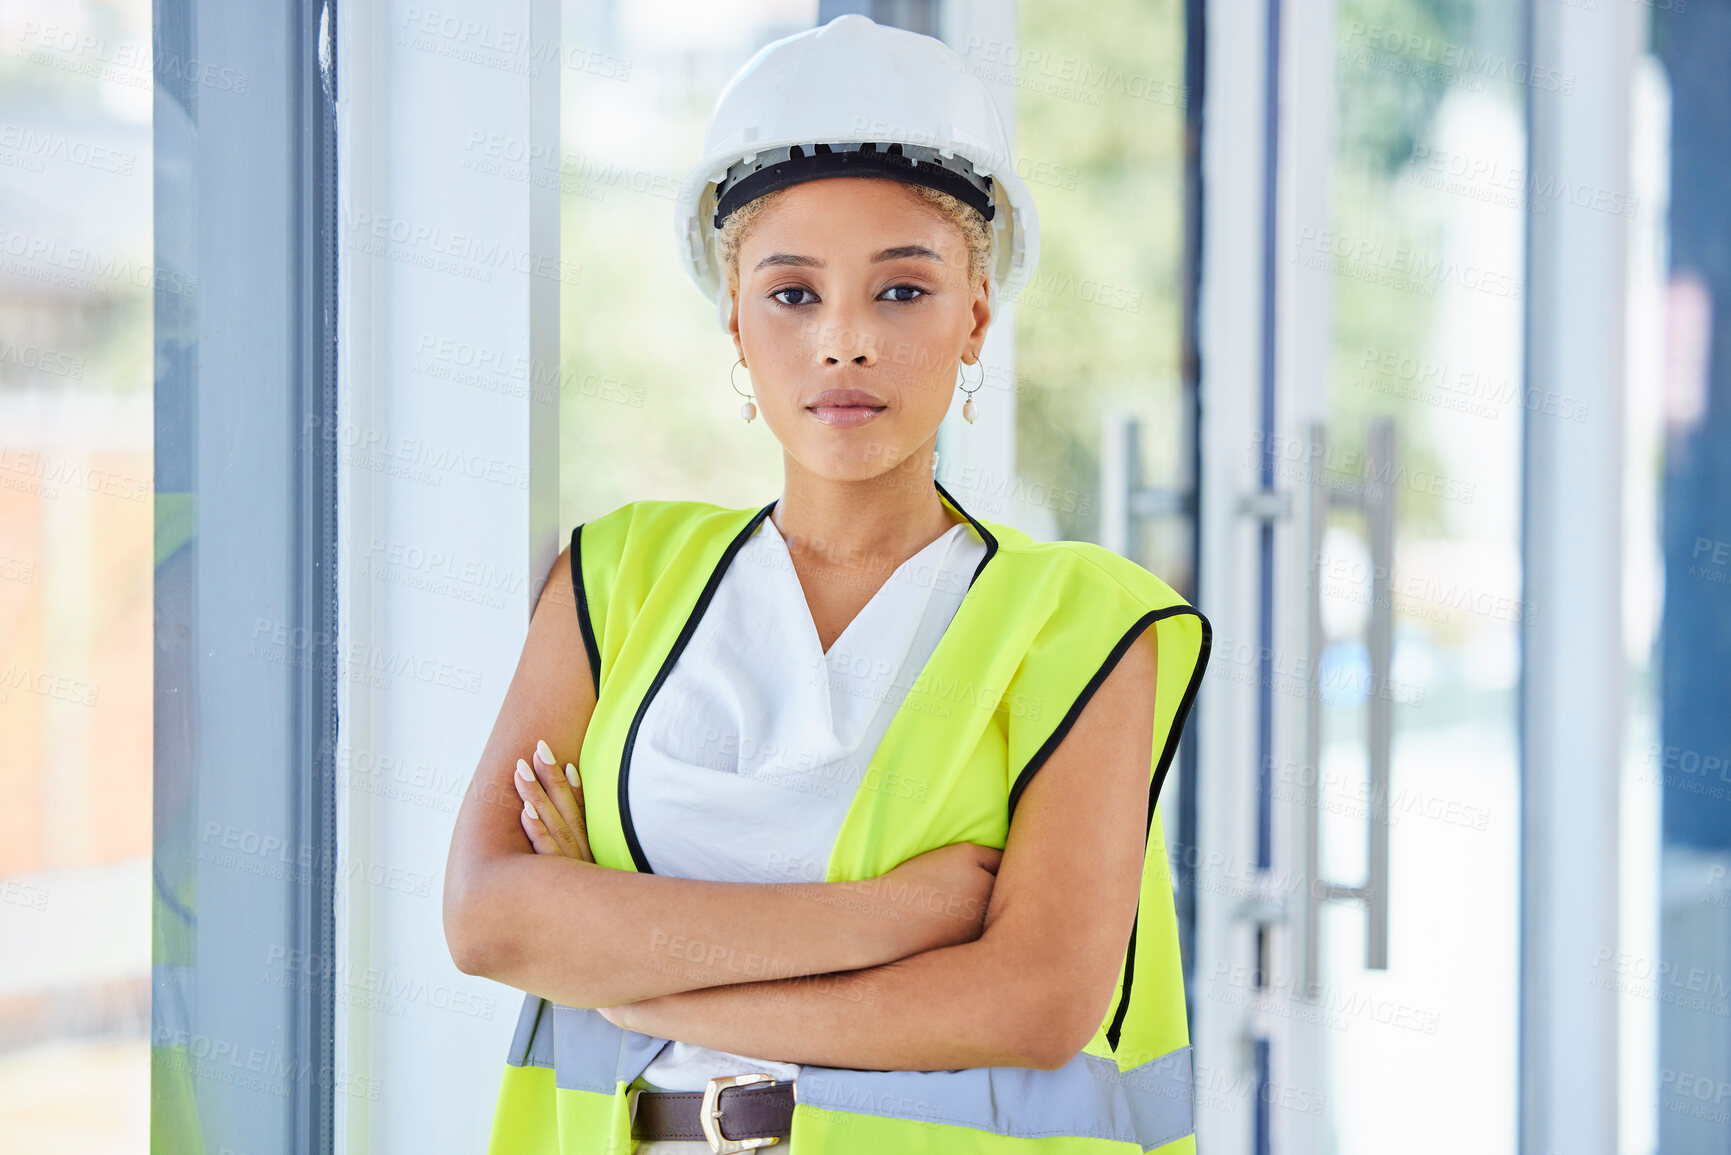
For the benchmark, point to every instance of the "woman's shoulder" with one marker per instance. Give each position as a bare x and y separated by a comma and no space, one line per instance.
1083,569
648,514
650,531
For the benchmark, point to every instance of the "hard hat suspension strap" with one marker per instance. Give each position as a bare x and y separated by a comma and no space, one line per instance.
777,168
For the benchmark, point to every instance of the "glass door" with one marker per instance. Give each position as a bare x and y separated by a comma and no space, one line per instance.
1401,810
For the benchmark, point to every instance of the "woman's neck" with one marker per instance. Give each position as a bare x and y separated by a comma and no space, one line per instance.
873,524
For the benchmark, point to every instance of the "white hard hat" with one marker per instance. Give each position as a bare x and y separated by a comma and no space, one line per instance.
875,100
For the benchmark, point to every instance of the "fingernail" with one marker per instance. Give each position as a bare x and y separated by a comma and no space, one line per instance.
546,753
524,772
529,813
571,775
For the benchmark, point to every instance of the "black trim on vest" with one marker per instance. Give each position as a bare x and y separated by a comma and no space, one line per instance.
1178,720
986,535
1044,753
679,644
590,646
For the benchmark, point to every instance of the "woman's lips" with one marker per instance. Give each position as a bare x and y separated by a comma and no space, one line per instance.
845,416
846,408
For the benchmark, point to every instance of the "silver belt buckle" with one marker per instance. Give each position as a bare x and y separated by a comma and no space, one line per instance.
709,1116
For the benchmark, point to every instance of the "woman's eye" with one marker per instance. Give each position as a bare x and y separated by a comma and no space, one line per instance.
915,291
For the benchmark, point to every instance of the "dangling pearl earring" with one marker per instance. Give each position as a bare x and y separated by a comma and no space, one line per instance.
969,411
749,409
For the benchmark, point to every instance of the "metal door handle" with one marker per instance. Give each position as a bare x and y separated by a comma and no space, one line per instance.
1375,499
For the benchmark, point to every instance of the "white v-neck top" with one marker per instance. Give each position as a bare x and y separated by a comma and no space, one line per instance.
749,755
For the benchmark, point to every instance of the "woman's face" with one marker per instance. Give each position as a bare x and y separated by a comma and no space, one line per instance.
853,283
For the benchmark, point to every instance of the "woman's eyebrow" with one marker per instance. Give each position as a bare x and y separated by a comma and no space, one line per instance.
906,251
890,254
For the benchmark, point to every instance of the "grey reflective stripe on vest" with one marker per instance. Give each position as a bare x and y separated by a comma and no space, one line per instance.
591,1054
586,1052
1088,1096
532,1045
581,1046
1160,1096
1148,1105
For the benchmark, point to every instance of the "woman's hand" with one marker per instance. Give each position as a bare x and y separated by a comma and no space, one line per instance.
553,819
947,893
552,806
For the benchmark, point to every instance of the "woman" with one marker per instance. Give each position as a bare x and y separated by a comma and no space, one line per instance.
850,795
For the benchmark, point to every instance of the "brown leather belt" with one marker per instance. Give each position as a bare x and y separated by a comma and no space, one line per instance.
756,1111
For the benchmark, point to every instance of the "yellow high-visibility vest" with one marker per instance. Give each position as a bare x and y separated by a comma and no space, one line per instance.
1041,626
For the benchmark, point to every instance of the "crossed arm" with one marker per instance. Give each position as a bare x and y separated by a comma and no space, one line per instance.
856,978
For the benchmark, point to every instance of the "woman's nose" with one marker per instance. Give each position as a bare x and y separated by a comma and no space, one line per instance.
841,338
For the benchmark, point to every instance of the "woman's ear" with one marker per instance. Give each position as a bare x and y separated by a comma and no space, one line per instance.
729,304
982,312
726,312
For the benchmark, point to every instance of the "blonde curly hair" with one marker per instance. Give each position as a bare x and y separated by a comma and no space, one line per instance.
976,230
